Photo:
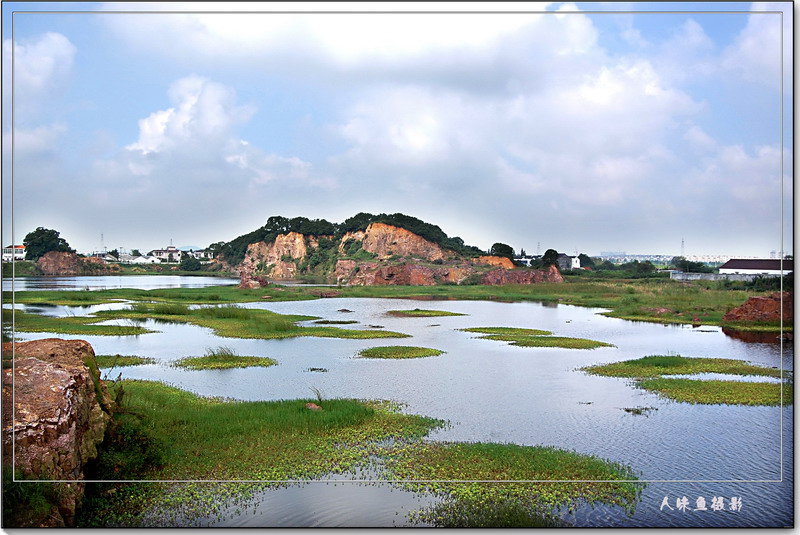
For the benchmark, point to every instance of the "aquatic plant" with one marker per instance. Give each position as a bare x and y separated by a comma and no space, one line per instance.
398,352
222,358
534,338
420,313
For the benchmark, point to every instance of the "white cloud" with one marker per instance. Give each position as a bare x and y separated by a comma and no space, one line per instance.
755,55
41,66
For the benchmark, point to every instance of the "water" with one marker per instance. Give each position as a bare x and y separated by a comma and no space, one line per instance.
106,282
492,391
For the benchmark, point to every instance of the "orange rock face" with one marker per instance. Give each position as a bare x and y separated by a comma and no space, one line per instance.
261,255
764,309
387,240
522,276
499,261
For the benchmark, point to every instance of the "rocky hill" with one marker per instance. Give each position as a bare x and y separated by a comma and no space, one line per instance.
368,250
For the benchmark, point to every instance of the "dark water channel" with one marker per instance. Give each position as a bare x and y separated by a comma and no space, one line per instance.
493,392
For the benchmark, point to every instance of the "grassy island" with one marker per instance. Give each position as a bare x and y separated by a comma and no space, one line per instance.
534,338
399,352
223,358
121,361
653,373
421,313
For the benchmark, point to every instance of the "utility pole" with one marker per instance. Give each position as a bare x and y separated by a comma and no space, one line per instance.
683,253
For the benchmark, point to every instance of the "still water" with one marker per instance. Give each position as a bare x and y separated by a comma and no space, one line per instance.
107,282
495,392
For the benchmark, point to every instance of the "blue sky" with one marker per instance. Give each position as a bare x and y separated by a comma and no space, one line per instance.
623,130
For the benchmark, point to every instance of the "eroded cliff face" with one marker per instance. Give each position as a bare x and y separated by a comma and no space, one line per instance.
268,258
69,264
387,241
400,257
774,307
55,412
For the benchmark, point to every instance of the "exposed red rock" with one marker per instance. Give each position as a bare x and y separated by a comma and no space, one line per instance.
55,411
522,276
773,307
499,261
69,264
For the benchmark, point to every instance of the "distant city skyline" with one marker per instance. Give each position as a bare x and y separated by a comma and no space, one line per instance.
580,126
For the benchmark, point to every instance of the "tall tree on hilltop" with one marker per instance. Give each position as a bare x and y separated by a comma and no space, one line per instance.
42,241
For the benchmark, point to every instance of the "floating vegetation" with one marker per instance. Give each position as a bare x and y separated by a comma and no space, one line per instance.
651,373
658,365
420,313
321,370
399,352
121,361
534,338
223,358
539,480
237,322
85,325
335,322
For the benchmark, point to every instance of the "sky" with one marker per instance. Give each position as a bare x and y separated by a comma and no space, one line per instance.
581,127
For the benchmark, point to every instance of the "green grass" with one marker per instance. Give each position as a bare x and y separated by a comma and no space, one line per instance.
420,313
518,504
511,331
223,358
651,373
658,365
720,392
399,352
654,300
534,338
165,433
37,323
236,322
121,361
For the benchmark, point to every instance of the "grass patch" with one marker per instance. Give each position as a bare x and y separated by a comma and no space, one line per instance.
399,352
121,361
420,313
223,358
720,392
511,331
165,433
335,322
37,323
650,373
534,338
236,322
512,503
658,365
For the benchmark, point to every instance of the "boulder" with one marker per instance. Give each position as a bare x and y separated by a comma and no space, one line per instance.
55,412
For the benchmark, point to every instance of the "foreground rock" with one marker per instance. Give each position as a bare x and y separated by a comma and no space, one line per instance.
55,412
771,308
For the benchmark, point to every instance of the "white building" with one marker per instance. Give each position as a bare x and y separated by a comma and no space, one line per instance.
13,252
763,266
170,254
566,262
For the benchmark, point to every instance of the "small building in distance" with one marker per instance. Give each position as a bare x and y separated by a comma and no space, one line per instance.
13,252
765,267
170,254
566,262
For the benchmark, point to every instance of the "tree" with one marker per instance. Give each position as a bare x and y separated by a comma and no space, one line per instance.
586,260
550,257
501,249
190,263
42,241
114,253
136,252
